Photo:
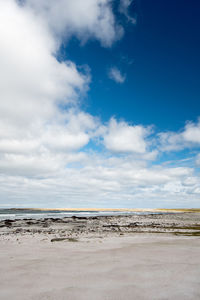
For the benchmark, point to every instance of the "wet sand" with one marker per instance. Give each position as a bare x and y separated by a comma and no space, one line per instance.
133,257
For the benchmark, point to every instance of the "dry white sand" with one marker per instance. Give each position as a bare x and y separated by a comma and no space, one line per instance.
139,266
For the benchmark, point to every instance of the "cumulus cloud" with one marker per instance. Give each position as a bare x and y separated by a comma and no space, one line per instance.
187,138
35,134
85,19
170,141
33,81
121,137
191,133
116,75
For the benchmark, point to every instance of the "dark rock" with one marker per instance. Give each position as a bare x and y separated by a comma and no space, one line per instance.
64,239
133,224
79,218
8,223
30,223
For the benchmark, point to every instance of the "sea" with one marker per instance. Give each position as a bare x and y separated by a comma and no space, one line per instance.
12,214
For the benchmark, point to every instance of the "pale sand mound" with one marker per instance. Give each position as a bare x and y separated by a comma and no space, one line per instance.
136,267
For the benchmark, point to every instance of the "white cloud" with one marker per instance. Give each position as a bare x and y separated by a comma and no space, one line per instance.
85,19
187,138
41,150
121,137
33,81
104,182
35,134
191,133
198,160
116,75
170,141
124,9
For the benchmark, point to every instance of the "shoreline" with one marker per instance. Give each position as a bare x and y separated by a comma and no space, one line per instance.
179,223
142,257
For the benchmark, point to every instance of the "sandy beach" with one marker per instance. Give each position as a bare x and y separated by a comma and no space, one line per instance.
118,257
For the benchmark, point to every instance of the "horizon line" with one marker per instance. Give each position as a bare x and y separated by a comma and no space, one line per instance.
108,209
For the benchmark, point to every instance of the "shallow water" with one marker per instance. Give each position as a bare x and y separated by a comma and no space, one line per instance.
12,214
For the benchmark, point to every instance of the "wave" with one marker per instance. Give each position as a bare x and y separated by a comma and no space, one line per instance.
60,214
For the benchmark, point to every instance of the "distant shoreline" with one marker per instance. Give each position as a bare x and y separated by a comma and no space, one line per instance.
175,210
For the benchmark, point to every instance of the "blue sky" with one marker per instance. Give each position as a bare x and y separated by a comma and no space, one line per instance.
160,57
99,103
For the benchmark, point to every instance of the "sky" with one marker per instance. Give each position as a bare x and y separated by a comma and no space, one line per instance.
99,103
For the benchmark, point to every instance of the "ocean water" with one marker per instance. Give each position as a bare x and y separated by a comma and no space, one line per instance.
13,214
